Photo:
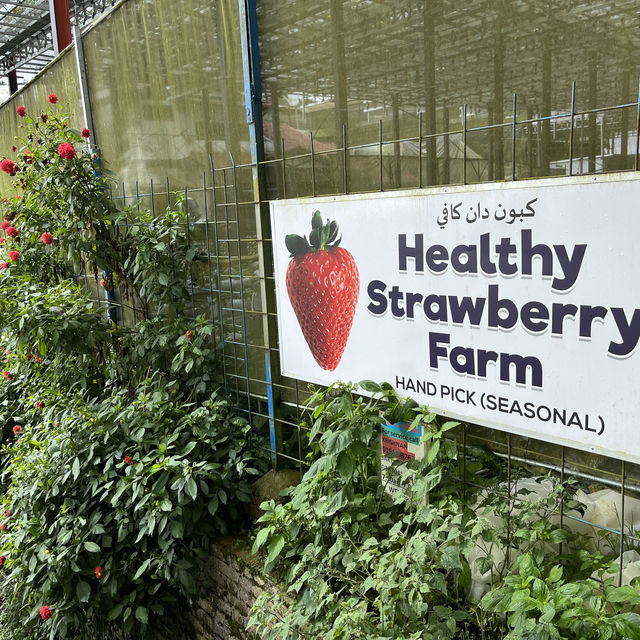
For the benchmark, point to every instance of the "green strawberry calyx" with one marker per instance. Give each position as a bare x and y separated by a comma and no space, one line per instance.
322,237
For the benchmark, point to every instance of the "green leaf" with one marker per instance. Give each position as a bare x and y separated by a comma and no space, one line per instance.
92,547
261,538
143,567
142,615
75,469
115,612
177,528
275,547
83,591
344,465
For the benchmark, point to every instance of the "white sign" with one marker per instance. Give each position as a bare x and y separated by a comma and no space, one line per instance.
513,306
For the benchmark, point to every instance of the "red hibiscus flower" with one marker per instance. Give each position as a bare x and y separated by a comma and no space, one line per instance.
128,460
99,571
17,429
46,237
45,612
14,256
85,133
21,111
66,151
12,232
8,166
52,98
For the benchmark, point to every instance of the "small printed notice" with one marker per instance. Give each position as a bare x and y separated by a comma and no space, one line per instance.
400,441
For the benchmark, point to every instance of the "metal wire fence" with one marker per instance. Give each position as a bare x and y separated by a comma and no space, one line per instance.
232,281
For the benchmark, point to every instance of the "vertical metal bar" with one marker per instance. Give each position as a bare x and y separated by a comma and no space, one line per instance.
420,150
380,170
464,143
636,164
85,96
508,519
12,77
571,130
253,96
284,173
227,243
313,166
464,463
133,295
344,159
562,478
623,473
240,272
218,273
144,305
188,230
206,235
513,137
60,24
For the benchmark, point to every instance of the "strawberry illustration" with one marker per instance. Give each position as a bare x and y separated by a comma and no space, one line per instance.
323,285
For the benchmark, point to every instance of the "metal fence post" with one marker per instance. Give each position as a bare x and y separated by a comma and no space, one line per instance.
253,97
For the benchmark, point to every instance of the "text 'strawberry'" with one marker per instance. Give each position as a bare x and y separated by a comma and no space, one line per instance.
323,285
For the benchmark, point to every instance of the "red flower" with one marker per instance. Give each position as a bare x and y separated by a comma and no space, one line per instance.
46,237
12,232
27,158
21,111
27,356
99,571
45,612
7,513
17,429
66,151
52,98
14,256
3,526
128,460
40,404
13,147
2,560
102,282
189,334
2,240
8,166
6,374
3,266
5,224
85,133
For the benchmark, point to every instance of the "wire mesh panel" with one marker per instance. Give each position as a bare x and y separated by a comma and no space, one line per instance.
231,278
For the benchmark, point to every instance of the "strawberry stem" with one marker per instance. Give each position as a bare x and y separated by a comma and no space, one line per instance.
322,237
